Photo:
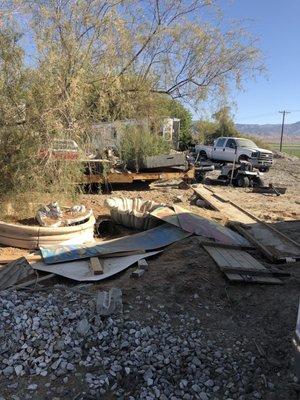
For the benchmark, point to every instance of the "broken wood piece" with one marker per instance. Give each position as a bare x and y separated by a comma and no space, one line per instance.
247,278
96,266
203,241
269,190
239,266
32,282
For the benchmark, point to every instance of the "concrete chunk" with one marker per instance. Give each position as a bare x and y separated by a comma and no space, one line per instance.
137,273
109,302
142,264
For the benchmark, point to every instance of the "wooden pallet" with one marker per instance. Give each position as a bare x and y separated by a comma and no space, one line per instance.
239,266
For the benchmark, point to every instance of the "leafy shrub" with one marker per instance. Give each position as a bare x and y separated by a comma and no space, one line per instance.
137,143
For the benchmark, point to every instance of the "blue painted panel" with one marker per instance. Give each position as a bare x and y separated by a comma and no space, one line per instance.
151,239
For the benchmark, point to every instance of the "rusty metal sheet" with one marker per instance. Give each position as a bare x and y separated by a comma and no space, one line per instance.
198,225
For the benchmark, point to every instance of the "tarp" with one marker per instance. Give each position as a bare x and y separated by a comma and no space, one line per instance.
80,270
198,225
151,239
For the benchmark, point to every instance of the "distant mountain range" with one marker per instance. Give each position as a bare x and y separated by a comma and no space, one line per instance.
269,131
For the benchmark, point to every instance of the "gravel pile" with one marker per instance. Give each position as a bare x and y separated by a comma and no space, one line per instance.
52,337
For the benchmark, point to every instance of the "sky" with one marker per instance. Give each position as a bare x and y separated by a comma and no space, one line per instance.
277,25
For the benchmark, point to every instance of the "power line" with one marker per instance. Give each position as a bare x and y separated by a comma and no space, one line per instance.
284,112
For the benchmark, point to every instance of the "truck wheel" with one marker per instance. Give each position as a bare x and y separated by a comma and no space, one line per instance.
264,169
203,155
242,181
243,157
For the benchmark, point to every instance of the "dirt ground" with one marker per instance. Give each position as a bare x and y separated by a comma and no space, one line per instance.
265,315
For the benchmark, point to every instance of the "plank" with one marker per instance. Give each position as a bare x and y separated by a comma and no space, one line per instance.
96,266
207,196
243,278
32,282
207,242
259,245
269,189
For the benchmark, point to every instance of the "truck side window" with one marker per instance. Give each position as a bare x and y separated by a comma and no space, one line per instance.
231,143
220,142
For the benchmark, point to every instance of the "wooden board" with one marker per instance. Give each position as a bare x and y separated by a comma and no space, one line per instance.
273,244
269,189
239,266
96,266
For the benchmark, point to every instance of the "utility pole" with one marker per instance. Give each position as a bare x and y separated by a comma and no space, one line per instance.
282,126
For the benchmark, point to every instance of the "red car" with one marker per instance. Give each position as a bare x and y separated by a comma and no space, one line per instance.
62,149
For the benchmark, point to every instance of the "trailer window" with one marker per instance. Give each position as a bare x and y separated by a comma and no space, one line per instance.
220,142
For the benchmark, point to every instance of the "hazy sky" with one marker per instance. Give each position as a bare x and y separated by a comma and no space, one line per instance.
277,24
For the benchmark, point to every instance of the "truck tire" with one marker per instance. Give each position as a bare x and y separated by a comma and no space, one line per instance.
203,155
263,169
242,181
243,157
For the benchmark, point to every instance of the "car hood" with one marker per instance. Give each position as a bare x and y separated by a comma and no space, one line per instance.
254,149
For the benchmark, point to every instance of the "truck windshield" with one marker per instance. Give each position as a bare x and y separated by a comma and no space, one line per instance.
245,143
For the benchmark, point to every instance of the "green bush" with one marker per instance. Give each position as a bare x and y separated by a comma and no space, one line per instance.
137,143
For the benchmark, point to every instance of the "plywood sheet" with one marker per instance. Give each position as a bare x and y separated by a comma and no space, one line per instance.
80,270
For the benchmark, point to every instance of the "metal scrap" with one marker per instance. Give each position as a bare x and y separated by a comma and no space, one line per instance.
14,272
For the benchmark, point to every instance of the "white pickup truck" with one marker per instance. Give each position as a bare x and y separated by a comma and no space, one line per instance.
229,148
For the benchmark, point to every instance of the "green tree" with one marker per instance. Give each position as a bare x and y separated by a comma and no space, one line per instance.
222,125
174,109
100,60
204,129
